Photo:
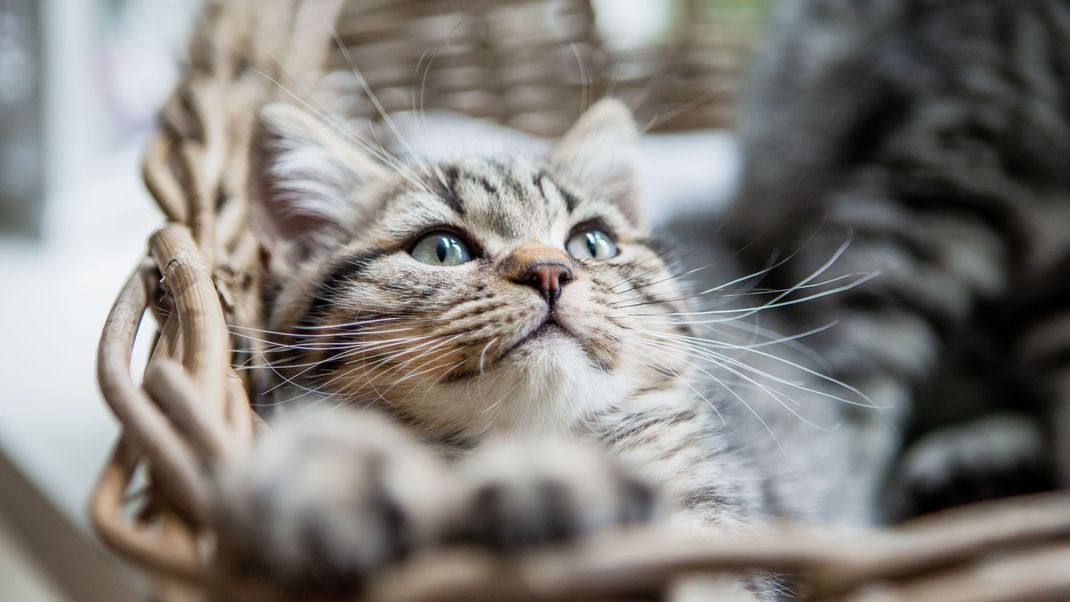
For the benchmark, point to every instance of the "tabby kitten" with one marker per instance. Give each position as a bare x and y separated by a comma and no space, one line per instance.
521,353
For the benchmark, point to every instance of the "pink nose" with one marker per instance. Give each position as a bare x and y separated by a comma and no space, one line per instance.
547,278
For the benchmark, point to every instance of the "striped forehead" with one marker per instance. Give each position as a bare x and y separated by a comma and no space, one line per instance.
512,199
499,202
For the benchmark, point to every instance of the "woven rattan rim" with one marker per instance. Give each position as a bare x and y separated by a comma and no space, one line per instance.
199,276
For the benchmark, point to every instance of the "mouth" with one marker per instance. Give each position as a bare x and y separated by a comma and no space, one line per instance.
546,335
548,329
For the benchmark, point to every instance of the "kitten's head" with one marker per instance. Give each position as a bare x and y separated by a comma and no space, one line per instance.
483,293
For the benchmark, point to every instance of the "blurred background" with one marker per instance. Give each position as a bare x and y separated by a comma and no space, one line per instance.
80,83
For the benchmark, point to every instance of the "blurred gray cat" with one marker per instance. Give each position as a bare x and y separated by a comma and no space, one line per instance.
937,132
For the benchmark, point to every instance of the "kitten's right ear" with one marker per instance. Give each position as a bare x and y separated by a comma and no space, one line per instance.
304,178
601,151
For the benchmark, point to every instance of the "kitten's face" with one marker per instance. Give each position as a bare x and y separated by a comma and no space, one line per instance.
473,295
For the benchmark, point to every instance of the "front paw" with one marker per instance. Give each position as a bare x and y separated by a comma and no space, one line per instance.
995,456
528,493
324,503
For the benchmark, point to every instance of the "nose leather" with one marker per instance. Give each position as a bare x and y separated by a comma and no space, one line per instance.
547,278
541,267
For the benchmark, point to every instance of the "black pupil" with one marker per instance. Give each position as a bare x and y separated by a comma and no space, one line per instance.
442,249
592,244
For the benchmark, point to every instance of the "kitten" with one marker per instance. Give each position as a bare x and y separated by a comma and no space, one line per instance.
527,365
937,133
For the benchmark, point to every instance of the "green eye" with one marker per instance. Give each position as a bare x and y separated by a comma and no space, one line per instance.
592,244
441,248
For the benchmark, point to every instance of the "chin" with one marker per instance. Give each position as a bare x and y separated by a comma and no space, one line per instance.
544,349
546,384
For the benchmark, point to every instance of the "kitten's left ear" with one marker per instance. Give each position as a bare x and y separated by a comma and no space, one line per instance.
306,179
601,153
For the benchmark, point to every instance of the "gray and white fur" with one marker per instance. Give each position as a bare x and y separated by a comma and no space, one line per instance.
936,135
526,391
491,350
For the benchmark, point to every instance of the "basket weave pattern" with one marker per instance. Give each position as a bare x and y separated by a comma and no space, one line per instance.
530,64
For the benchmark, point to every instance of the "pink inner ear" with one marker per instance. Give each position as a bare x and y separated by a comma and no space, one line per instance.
297,227
629,206
280,219
285,234
304,179
282,227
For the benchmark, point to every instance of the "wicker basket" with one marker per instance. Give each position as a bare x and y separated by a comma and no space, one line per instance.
533,65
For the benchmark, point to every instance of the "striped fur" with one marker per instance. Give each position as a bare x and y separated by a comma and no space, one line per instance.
449,352
931,134
441,346
936,133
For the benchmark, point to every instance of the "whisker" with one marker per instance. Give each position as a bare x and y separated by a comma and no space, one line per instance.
775,303
378,105
683,108
780,398
721,358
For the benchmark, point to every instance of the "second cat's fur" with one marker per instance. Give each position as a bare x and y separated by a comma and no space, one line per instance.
936,134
